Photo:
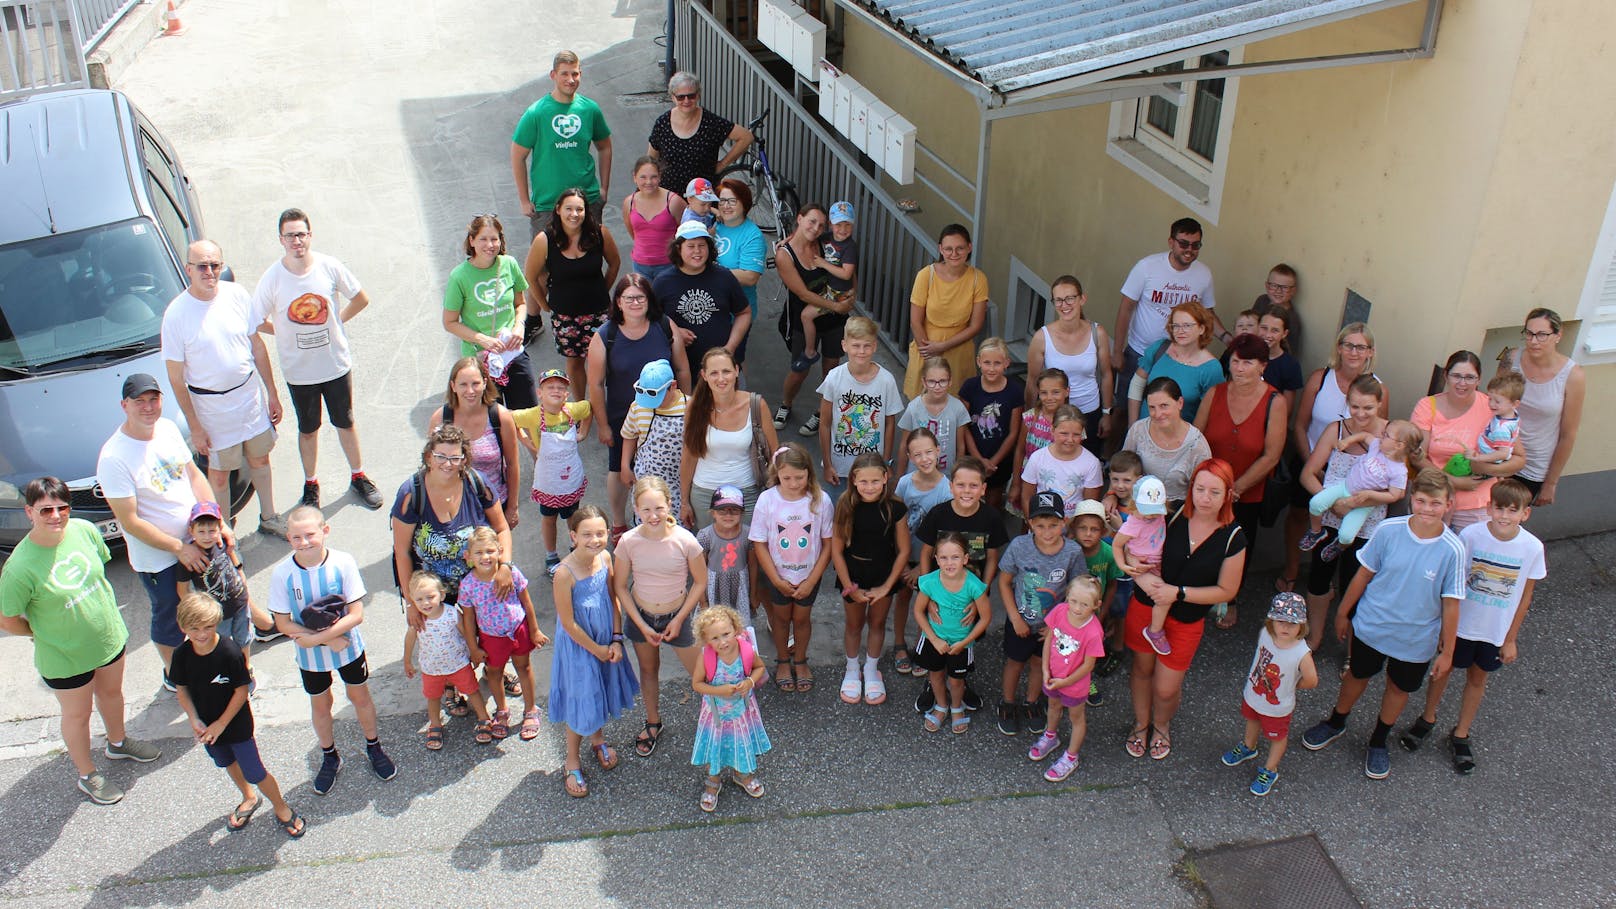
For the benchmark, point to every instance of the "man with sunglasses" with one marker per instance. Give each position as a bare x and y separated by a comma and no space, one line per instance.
218,368
550,147
1157,283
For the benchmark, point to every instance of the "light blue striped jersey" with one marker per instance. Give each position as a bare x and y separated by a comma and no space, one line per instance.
292,587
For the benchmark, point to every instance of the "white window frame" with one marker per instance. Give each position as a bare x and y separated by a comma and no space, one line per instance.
1165,162
1596,336
1025,285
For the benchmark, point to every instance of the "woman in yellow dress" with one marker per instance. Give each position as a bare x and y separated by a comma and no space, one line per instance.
947,310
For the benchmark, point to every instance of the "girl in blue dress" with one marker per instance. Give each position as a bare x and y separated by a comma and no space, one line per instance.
729,732
590,681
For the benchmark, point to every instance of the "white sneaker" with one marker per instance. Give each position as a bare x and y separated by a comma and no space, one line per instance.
852,685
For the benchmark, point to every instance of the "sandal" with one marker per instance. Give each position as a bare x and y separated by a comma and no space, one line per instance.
239,818
875,688
482,733
960,721
1464,760
934,719
787,682
500,725
293,826
573,780
804,682
901,662
749,785
1136,742
1413,737
1160,745
605,755
645,743
530,725
513,685
454,703
709,794
434,738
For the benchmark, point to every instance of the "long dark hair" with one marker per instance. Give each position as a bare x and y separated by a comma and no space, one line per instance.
699,409
588,232
842,518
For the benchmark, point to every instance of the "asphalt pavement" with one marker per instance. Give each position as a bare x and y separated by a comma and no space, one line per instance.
390,124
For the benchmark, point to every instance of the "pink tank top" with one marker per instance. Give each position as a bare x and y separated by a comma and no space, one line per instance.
651,237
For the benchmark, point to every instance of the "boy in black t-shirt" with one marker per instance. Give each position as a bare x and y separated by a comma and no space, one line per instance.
980,524
210,679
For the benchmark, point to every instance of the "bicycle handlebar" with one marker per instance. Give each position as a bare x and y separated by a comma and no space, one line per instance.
758,121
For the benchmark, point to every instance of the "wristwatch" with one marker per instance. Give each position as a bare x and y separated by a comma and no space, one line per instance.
1180,594
1106,411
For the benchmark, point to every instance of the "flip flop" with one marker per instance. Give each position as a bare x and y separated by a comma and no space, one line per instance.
293,826
239,819
573,781
605,755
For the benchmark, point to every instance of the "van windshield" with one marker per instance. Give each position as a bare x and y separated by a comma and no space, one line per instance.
83,298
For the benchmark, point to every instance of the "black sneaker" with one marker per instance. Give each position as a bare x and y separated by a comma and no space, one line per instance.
366,491
925,700
380,762
311,494
168,683
810,428
1035,715
1095,697
781,415
973,701
264,636
327,776
1009,723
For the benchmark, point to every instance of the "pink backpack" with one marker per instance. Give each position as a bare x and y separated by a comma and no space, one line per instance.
709,657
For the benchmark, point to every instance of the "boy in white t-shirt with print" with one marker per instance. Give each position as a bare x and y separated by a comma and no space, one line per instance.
1503,563
859,404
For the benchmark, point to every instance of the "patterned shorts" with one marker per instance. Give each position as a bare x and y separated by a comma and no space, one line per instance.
572,333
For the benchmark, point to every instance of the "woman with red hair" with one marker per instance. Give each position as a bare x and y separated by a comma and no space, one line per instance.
1203,561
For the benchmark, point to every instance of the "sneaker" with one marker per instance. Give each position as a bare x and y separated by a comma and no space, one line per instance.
327,775
972,700
264,637
272,525
1034,715
1009,723
1042,747
1321,735
781,415
1311,539
380,762
1330,552
1095,697
311,494
168,683
1062,768
366,491
925,700
1238,755
134,749
810,428
802,363
101,790
1377,763
1414,735
1264,783
1158,641
1107,664
552,561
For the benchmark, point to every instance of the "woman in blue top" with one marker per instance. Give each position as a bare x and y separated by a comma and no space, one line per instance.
1182,357
635,333
741,247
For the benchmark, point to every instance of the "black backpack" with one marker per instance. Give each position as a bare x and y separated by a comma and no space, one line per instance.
416,503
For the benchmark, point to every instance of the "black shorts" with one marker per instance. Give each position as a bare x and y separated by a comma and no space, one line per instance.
1480,654
868,573
338,396
518,392
1001,477
1018,649
75,682
830,328
1366,663
779,599
354,673
1320,573
1536,486
957,665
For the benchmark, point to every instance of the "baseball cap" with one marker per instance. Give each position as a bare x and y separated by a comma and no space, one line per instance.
654,380
728,496
1288,607
1047,503
701,188
205,510
1091,508
841,212
549,374
138,384
692,230
1150,496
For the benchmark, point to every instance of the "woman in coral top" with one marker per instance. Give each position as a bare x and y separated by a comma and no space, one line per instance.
1452,419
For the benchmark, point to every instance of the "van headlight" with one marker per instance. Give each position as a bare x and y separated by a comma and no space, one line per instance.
10,495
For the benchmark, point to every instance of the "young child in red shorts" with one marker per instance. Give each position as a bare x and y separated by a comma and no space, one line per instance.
1282,665
443,646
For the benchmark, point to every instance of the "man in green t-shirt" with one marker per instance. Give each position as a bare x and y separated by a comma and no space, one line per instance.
550,148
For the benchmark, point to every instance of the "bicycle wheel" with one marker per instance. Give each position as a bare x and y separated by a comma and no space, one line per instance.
786,205
763,213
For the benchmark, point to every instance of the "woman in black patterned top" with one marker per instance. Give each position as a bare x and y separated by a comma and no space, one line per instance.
688,138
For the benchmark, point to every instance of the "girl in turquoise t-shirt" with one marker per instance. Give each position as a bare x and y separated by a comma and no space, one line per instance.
962,615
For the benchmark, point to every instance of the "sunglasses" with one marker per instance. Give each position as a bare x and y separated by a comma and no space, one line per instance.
207,266
1185,244
686,96
51,511
649,392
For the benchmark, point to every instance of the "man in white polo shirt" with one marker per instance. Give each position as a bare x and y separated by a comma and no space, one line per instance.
219,371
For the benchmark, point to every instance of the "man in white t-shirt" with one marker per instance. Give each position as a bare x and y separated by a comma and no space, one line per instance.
218,368
1157,283
296,301
151,484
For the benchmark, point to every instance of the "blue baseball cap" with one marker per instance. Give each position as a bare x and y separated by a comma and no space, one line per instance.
841,212
655,377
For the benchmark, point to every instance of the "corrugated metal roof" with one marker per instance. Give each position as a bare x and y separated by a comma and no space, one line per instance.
1025,43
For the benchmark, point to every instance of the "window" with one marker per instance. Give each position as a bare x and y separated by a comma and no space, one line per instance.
1179,139
1596,336
165,196
1027,309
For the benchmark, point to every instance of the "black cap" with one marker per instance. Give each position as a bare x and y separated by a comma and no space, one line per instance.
138,384
1047,503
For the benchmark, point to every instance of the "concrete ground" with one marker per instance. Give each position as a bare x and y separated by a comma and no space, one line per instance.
389,123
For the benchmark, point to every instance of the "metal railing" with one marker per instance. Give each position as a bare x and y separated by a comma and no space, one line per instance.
45,41
892,249
99,16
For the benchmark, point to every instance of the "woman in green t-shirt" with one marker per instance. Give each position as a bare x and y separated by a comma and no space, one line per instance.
54,589
485,307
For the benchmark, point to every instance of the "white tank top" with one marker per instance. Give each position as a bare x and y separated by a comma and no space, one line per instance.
1080,369
1540,418
1329,405
1271,682
729,457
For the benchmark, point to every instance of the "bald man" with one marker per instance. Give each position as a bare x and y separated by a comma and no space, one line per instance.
218,369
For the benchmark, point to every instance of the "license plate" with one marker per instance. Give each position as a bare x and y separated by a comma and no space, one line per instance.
110,530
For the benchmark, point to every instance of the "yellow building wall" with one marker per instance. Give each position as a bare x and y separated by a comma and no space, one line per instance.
1453,193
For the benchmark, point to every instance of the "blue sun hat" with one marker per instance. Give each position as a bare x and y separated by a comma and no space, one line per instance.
655,378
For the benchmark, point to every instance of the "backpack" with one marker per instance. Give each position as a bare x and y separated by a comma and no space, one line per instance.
608,337
416,502
709,657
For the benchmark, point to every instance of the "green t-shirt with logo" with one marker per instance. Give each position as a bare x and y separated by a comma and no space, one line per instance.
560,136
486,298
63,593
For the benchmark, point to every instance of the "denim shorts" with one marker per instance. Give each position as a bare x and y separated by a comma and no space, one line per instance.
162,589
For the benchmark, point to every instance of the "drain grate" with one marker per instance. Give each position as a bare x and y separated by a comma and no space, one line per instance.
1295,873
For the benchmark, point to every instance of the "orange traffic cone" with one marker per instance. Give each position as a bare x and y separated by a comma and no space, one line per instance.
172,18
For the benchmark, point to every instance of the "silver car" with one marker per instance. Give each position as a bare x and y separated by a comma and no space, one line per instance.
95,217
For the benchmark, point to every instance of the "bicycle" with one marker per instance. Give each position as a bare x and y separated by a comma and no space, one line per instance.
774,209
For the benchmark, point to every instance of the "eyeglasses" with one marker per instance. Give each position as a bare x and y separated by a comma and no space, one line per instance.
448,459
728,200
1464,377
51,511
686,96
936,383
1278,287
1185,244
1537,335
207,266
296,235
1356,348
1070,299
1185,326
633,298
